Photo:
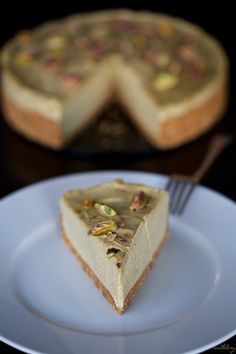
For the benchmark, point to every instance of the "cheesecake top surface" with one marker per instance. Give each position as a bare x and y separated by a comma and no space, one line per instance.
173,58
112,212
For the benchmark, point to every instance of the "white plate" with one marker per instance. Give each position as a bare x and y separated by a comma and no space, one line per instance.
48,304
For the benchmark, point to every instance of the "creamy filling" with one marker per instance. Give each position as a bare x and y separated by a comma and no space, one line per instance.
147,241
82,107
133,95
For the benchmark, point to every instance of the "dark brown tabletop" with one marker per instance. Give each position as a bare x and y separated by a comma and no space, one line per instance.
23,162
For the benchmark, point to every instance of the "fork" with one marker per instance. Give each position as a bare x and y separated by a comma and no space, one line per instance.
180,187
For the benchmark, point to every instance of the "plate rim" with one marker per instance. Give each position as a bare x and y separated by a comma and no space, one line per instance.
106,171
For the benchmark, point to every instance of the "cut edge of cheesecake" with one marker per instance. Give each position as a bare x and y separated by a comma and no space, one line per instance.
164,128
102,288
118,277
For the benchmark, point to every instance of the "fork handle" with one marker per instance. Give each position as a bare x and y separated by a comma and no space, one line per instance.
216,146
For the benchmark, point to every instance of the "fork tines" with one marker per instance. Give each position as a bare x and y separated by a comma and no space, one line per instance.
180,190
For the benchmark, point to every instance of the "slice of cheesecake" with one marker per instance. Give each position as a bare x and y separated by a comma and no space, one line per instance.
116,230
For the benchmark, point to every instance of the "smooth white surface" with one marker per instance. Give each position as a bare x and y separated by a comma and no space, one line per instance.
48,304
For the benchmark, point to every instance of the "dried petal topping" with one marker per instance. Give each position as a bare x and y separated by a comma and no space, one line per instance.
102,228
71,80
138,201
53,63
187,53
162,59
197,71
111,252
104,210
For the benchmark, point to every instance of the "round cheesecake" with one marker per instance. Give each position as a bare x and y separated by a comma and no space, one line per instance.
168,74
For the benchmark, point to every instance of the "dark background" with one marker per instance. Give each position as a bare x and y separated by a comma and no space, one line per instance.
218,18
23,162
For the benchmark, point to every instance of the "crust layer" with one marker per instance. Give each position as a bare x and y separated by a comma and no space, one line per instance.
101,287
178,130
32,125
175,131
39,128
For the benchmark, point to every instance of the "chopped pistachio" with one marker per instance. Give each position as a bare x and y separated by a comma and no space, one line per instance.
118,180
162,59
165,81
56,41
87,203
165,29
111,235
138,201
103,227
111,252
24,36
104,210
25,57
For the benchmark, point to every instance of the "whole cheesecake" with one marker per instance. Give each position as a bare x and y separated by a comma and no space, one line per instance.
116,231
168,74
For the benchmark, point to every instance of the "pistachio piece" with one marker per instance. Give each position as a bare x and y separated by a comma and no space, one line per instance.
24,36
111,235
99,33
124,239
111,252
55,41
118,181
138,201
104,210
25,56
139,40
162,59
165,29
165,81
87,203
102,227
